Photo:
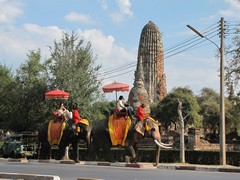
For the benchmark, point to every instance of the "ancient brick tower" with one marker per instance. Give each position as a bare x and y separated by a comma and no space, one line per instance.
151,53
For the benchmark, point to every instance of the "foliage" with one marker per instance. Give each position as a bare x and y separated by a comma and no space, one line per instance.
154,110
169,105
210,108
102,110
29,95
209,101
233,66
73,70
233,115
7,93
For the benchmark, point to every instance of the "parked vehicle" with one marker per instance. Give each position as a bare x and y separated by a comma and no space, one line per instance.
20,146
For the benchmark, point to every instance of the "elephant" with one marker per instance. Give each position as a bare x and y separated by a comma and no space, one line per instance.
100,138
69,136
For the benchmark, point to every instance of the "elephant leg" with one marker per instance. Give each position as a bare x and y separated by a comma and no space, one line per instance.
92,149
75,150
61,151
130,155
108,154
45,149
133,153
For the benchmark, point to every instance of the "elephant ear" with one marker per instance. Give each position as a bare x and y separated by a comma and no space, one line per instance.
140,128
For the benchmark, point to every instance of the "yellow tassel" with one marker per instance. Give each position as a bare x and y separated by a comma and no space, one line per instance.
147,127
78,129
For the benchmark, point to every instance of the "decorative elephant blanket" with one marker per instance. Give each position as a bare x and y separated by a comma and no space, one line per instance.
118,129
55,131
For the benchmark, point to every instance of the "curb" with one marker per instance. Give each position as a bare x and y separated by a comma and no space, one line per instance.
170,166
135,165
28,176
200,168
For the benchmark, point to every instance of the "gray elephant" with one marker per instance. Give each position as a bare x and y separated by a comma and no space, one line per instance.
69,135
101,138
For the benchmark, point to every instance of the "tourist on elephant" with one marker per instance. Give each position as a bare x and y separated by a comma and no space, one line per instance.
123,107
121,104
140,113
60,110
76,115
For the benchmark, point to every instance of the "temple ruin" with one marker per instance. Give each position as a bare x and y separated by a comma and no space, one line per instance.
151,53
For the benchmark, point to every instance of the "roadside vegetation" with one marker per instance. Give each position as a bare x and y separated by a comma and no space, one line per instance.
72,67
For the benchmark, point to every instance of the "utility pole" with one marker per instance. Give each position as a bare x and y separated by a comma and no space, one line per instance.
222,84
222,103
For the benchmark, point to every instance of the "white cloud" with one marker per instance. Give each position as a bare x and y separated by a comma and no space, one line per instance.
108,52
233,10
124,10
124,7
76,17
116,17
103,4
9,10
15,43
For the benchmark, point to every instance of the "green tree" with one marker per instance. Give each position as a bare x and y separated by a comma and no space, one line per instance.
102,110
233,115
169,105
74,70
209,102
7,94
30,110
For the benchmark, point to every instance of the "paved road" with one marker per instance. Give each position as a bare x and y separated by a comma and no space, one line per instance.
119,171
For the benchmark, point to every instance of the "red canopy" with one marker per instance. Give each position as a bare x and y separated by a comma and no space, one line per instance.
115,86
56,94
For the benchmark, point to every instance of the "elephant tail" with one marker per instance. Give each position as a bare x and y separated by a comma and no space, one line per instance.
38,148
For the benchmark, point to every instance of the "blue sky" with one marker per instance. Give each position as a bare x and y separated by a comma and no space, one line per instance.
114,27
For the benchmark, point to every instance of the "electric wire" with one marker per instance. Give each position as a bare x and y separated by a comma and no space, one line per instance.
186,45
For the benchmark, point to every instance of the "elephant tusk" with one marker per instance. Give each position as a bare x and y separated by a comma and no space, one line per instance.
170,144
160,145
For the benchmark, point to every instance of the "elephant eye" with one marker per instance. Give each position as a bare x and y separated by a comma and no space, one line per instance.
153,129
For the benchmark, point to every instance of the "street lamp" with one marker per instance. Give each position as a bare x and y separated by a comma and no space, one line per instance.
222,105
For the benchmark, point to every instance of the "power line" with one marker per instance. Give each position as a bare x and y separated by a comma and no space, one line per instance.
186,45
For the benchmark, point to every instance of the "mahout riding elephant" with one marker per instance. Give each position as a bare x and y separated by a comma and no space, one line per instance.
69,135
101,138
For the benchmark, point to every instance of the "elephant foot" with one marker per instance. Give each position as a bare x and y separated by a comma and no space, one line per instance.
127,159
155,164
133,160
76,161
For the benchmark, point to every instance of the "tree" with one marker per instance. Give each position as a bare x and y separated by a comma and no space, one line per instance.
210,109
233,114
102,110
30,110
7,94
169,105
233,66
74,70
